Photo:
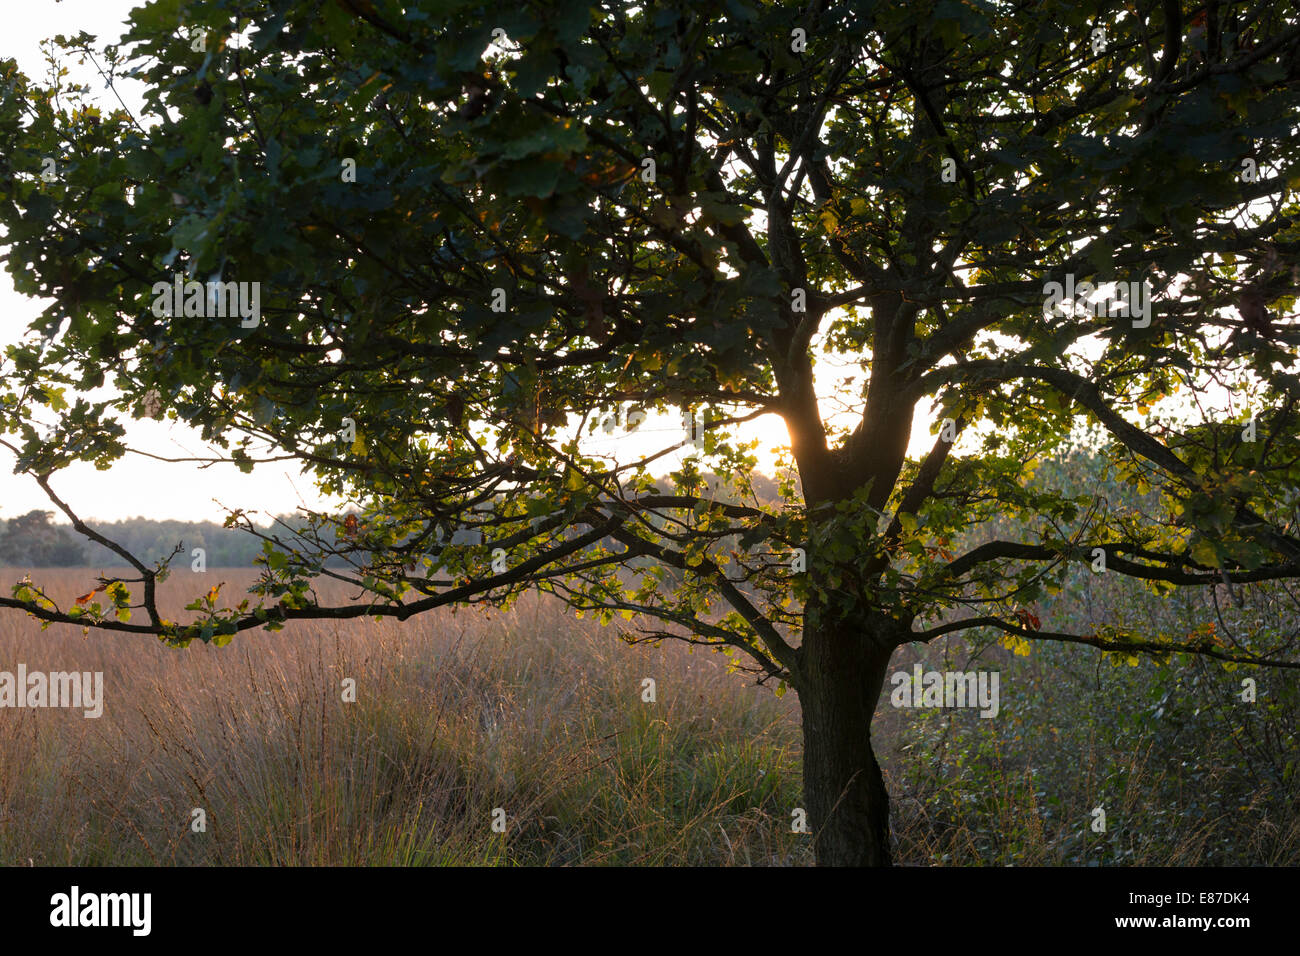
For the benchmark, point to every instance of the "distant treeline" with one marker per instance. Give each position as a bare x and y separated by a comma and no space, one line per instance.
35,540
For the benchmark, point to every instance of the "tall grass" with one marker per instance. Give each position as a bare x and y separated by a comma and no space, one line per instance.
458,714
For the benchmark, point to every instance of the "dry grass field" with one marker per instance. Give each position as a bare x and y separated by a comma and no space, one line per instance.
541,715
456,714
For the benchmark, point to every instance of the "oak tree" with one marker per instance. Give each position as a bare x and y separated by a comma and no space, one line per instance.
483,233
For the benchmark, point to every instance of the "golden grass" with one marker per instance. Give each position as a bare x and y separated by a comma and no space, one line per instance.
457,714
539,714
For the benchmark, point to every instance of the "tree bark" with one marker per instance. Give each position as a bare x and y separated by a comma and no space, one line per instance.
842,669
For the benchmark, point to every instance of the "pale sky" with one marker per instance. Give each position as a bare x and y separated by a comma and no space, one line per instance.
138,486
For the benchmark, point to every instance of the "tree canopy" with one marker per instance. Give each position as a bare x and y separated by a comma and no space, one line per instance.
482,233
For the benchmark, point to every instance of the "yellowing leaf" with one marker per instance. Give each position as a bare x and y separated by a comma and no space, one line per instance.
1016,644
1203,552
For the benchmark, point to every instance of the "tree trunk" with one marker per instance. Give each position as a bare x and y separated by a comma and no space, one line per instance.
842,669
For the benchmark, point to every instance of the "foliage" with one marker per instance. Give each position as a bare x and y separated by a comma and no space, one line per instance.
478,234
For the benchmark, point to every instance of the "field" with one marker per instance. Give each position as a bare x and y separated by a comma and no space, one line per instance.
535,713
